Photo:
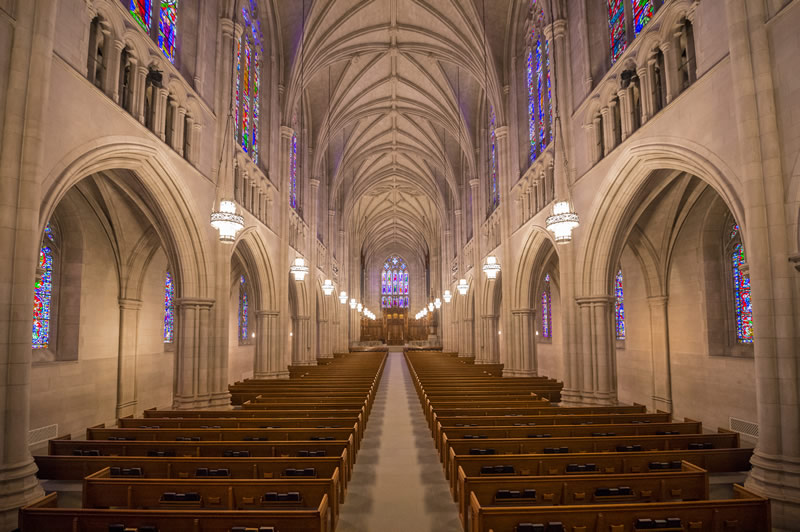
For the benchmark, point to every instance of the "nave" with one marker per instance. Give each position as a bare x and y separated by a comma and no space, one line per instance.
299,455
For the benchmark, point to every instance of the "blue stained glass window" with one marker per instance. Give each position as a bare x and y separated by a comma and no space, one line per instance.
394,283
619,306
169,309
168,28
494,190
43,294
244,309
741,295
547,310
616,28
643,11
531,107
141,11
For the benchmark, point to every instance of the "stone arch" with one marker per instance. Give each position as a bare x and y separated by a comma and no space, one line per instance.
149,183
636,167
531,262
253,252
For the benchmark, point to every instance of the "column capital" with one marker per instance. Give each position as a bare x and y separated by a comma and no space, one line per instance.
473,183
286,132
130,304
523,311
593,300
656,301
313,182
267,313
194,302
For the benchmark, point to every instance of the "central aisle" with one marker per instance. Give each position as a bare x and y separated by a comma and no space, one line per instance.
398,483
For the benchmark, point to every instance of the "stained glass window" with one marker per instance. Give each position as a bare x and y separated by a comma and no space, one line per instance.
394,283
616,28
168,27
142,10
741,296
43,293
244,308
169,309
540,109
547,310
643,11
293,173
494,192
619,306
247,105
531,106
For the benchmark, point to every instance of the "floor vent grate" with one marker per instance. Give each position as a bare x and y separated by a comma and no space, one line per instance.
42,434
747,428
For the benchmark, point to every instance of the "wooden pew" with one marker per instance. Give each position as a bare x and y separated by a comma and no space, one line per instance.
44,515
478,433
712,460
224,434
688,483
78,467
746,513
341,449
609,444
101,490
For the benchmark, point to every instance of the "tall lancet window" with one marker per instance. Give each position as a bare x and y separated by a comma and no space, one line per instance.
743,310
293,165
619,306
494,191
244,310
626,20
643,11
142,12
168,28
43,291
247,104
394,283
616,28
169,309
547,309
540,110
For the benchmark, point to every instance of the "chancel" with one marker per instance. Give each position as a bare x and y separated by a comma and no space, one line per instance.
399,265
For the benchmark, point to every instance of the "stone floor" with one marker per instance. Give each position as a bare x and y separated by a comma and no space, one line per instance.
398,483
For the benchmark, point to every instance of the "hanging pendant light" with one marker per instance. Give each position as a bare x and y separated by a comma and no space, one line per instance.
327,287
343,297
359,308
462,287
447,296
562,221
299,269
353,303
437,303
227,222
491,268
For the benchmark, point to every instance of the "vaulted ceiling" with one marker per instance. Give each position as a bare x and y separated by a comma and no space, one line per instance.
392,100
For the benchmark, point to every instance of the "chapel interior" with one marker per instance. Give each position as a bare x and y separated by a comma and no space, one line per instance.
392,265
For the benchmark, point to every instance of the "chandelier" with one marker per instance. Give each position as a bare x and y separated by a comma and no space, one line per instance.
299,269
562,221
327,287
491,268
227,222
447,296
343,297
462,287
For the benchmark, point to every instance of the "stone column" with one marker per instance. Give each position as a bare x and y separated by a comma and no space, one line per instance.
608,131
192,388
659,349
596,356
178,131
671,67
112,72
302,353
188,143
645,93
22,142
171,127
324,339
137,98
269,363
776,461
625,113
160,112
522,335
126,359
468,338
490,353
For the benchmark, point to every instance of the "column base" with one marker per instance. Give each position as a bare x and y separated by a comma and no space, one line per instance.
305,363
18,487
600,398
272,375
190,402
220,400
127,409
777,478
659,403
571,397
519,373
